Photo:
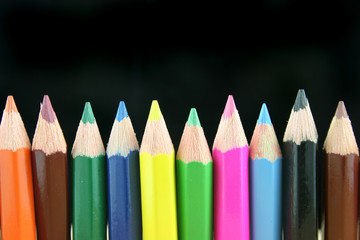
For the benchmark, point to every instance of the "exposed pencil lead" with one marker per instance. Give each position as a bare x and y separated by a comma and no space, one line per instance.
230,133
121,112
341,110
13,134
155,113
301,101
47,111
48,137
88,115
264,117
230,107
156,138
301,126
193,118
10,104
340,138
122,138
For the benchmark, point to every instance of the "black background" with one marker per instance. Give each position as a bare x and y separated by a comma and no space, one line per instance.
183,54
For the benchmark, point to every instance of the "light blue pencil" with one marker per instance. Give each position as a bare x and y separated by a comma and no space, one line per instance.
265,180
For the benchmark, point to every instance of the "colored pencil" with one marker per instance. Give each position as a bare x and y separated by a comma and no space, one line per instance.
342,175
123,174
265,180
157,177
49,166
17,197
89,180
194,175
300,213
231,177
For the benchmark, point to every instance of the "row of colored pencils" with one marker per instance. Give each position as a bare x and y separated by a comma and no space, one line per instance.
237,192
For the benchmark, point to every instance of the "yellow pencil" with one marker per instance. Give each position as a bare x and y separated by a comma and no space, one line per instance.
157,175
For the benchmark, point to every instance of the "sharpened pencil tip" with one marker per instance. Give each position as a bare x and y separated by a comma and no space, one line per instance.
88,115
47,111
10,104
121,112
193,118
230,107
341,110
264,116
155,113
301,101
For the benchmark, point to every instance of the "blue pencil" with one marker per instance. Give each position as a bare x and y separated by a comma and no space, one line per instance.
124,202
265,180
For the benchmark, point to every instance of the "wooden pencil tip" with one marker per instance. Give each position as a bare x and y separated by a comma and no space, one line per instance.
301,101
155,113
88,115
193,118
47,111
10,104
341,110
264,116
230,107
121,112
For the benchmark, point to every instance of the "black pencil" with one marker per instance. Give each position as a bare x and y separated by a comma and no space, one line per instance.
300,215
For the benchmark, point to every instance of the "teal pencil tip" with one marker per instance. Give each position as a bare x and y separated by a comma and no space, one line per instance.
121,112
88,115
264,116
193,118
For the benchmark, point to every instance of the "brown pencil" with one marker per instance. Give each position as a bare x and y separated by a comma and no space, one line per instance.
50,176
341,180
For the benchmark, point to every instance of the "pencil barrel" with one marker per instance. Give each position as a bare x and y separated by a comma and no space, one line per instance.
51,195
265,182
341,196
300,214
124,200
17,197
158,196
194,194
231,194
89,198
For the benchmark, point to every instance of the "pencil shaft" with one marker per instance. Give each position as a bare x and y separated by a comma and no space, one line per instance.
158,196
231,194
51,195
194,191
89,198
321,193
265,181
300,214
341,196
17,199
124,198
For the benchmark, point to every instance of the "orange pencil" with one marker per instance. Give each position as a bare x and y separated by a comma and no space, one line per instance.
17,199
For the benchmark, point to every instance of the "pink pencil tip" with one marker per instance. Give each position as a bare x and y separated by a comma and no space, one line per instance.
47,111
230,107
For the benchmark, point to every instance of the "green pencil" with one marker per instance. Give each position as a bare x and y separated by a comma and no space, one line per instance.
194,168
89,180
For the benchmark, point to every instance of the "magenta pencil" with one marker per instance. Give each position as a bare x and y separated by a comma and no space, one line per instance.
231,177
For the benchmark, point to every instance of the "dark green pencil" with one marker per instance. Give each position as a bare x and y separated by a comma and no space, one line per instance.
89,180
